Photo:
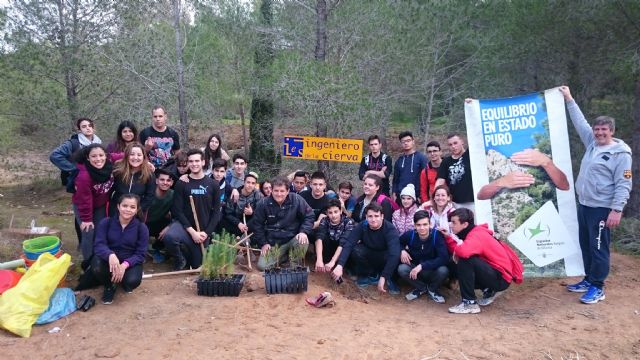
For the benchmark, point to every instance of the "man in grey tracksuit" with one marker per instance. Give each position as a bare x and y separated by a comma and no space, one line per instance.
603,187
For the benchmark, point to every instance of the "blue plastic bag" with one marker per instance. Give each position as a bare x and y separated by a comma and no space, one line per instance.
61,304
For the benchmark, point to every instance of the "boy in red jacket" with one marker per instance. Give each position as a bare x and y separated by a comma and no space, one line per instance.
482,262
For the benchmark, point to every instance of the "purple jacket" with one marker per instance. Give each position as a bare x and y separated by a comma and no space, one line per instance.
129,244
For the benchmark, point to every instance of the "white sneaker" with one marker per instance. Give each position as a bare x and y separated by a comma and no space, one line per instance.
465,307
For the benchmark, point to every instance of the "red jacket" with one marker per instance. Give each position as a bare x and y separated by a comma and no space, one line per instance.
480,241
89,194
428,178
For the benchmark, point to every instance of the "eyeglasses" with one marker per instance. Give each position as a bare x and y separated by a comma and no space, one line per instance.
406,141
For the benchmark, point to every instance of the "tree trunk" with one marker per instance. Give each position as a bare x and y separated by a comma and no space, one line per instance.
633,208
182,108
321,30
67,66
262,153
320,55
245,143
426,120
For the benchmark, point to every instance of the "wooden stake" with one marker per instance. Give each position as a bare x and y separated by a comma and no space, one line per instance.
246,242
195,217
237,245
168,273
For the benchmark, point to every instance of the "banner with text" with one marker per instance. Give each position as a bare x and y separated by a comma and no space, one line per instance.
320,148
522,178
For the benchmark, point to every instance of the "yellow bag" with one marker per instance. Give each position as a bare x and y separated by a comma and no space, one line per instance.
21,305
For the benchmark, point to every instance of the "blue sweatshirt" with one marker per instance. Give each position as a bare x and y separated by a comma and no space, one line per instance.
431,252
407,170
129,244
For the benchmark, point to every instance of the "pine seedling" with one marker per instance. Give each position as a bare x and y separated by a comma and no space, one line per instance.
296,255
273,257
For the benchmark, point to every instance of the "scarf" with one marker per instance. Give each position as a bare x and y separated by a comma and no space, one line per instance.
100,175
463,234
86,142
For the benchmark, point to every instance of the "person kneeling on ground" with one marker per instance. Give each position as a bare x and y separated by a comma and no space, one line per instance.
374,248
284,219
423,259
190,229
482,262
120,246
159,215
238,214
333,232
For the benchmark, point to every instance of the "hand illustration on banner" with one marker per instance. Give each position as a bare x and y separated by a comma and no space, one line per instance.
522,179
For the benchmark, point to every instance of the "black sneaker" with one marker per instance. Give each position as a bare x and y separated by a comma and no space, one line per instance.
488,297
108,294
436,296
179,262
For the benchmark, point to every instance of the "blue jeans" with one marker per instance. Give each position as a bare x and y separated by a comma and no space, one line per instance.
431,279
180,245
596,261
87,237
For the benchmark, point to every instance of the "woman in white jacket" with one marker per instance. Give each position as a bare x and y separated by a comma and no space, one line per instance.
439,208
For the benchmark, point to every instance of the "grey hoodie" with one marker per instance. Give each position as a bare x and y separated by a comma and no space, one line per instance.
604,179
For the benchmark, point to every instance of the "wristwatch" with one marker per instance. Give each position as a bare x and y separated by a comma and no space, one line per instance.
618,211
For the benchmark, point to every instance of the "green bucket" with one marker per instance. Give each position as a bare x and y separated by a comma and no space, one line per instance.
41,244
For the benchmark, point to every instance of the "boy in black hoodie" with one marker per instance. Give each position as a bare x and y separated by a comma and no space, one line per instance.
374,248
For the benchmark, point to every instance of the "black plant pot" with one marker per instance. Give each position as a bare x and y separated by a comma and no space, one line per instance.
286,281
226,285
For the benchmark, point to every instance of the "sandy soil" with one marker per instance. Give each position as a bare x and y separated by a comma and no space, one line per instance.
164,318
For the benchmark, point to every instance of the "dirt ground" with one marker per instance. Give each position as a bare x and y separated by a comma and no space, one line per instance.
164,318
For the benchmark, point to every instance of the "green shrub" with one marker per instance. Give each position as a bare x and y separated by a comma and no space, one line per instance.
219,257
625,236
273,257
296,255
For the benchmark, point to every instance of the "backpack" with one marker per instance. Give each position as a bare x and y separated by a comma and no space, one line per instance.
394,205
366,159
517,269
68,177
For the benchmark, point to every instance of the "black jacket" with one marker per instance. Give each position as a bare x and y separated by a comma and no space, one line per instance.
383,239
387,209
276,224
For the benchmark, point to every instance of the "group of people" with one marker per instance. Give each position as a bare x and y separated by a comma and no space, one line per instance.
414,220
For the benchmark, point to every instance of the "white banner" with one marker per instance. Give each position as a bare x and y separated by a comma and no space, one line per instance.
522,179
